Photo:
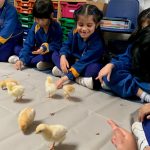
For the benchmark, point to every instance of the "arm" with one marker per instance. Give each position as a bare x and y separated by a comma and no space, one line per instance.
92,54
67,45
123,61
56,39
9,25
26,52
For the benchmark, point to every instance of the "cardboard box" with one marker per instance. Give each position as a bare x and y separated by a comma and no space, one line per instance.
102,6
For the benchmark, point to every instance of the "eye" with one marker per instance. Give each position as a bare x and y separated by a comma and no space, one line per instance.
89,25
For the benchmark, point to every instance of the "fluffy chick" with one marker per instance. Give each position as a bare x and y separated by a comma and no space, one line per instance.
50,87
54,133
26,118
4,82
68,90
15,90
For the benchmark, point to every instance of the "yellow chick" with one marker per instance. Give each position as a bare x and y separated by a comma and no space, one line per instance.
54,133
4,82
26,118
68,90
50,87
15,90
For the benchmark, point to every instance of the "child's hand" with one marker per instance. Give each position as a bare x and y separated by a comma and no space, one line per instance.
59,83
105,71
121,138
19,65
64,64
144,111
39,51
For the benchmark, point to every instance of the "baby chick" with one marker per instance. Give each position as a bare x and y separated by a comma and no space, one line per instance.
54,133
26,118
50,87
15,90
68,90
4,82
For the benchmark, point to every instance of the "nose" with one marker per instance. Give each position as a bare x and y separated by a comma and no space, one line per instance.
84,28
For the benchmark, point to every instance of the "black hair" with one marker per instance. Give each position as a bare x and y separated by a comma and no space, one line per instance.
143,16
43,9
88,9
140,52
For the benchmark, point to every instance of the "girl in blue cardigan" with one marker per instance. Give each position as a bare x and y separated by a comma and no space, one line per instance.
11,33
80,56
129,74
43,39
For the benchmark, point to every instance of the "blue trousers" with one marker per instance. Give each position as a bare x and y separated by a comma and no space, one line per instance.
146,127
91,70
7,49
35,58
124,84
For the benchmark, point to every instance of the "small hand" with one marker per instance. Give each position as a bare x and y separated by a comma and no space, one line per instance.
64,64
39,51
144,111
19,65
59,83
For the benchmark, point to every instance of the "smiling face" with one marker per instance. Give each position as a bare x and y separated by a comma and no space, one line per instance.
86,26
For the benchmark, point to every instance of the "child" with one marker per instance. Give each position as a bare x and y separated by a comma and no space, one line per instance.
81,53
11,33
124,140
129,73
43,39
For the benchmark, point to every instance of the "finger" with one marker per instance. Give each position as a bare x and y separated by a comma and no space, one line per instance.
67,64
141,116
148,116
35,52
108,77
97,78
112,124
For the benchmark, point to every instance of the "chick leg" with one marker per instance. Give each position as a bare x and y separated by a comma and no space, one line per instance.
52,146
49,96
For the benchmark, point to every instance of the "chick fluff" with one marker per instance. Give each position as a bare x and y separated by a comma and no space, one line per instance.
50,87
15,90
68,90
26,118
4,82
54,133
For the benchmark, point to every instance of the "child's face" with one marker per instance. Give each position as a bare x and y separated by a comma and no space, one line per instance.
86,26
42,22
145,23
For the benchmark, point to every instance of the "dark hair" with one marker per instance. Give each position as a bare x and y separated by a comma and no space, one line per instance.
43,9
88,9
143,16
140,52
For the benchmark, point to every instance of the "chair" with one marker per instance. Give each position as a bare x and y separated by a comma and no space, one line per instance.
125,9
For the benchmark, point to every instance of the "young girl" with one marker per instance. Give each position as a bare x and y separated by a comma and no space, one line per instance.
129,73
43,39
11,33
81,53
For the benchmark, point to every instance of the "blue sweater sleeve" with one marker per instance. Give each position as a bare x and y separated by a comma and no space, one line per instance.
93,53
9,25
123,61
56,39
56,42
67,45
26,52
